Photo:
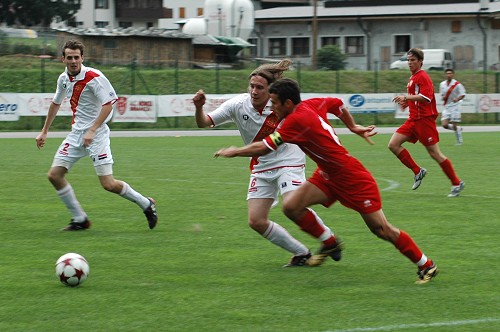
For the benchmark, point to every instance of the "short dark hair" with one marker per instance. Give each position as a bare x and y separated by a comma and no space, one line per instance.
286,88
449,69
416,52
73,45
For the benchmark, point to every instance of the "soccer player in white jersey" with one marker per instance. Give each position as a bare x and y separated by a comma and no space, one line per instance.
91,97
281,171
452,92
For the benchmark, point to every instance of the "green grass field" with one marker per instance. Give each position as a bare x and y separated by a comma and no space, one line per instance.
203,269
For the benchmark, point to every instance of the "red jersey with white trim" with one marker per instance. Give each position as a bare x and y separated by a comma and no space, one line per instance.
87,92
308,127
255,125
421,84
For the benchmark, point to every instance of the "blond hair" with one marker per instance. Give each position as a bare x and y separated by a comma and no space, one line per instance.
272,71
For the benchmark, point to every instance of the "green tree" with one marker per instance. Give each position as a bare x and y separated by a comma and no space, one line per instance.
37,12
331,57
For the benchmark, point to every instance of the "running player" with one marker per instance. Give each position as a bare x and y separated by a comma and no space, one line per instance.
452,92
421,125
280,172
91,97
338,177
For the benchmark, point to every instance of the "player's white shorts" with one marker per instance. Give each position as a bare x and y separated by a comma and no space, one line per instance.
281,180
71,150
451,113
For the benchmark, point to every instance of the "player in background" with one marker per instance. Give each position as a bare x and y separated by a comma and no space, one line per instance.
421,125
280,172
452,92
91,97
338,177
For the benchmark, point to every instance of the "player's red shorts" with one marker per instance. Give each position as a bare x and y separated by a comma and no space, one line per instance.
423,130
354,187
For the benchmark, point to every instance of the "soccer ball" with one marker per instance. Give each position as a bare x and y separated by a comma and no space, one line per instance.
72,269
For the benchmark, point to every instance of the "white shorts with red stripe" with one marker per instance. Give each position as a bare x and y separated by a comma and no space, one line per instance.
71,150
269,184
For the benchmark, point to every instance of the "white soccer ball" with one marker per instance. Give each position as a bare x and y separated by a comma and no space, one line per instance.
72,269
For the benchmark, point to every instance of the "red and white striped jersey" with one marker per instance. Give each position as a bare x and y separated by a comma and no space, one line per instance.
87,92
254,125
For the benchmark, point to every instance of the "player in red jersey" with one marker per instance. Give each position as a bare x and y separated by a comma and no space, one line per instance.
421,125
339,176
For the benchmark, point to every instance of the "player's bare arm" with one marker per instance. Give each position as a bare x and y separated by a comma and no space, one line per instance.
90,134
250,150
202,119
51,115
365,132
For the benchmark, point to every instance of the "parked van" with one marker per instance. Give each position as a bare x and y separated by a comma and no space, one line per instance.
434,59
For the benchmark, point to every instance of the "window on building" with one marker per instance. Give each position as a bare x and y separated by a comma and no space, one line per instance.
182,12
300,46
456,26
277,46
101,24
354,45
125,24
330,41
252,51
110,43
402,43
101,4
495,23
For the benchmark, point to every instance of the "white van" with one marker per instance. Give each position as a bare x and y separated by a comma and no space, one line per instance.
434,59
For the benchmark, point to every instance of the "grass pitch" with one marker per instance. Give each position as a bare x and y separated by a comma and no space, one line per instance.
202,268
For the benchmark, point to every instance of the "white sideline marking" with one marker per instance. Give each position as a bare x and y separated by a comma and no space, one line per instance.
412,326
392,185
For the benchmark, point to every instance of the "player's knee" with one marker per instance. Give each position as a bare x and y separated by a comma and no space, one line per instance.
290,210
110,186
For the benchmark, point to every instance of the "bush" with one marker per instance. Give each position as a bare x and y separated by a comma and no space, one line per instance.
331,57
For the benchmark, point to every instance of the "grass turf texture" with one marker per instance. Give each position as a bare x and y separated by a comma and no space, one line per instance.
202,268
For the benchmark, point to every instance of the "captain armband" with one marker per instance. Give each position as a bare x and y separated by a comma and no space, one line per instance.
276,138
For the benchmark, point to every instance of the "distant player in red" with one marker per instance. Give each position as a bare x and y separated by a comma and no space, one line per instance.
339,176
421,125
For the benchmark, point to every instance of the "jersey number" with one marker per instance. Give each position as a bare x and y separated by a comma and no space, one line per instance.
329,128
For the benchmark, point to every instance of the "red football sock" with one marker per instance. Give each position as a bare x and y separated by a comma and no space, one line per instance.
405,157
447,168
409,248
309,224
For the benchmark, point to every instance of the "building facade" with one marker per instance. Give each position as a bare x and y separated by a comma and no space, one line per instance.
375,36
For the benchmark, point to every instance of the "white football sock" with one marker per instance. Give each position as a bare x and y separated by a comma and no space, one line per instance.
280,237
133,196
67,195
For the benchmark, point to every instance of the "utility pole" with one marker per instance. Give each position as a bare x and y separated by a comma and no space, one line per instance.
314,62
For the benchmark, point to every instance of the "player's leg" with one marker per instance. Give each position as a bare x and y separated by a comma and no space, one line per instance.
262,195
445,120
378,225
457,185
100,153
404,156
296,207
68,153
456,119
